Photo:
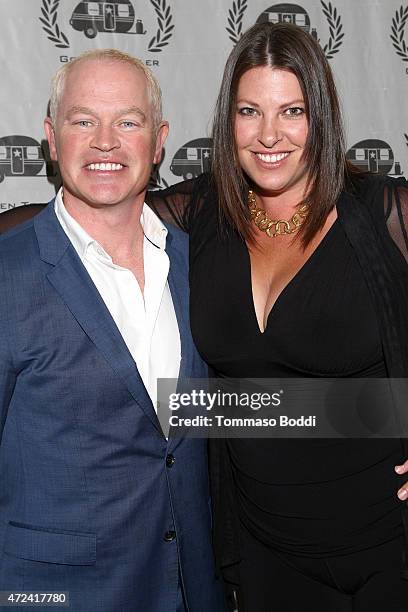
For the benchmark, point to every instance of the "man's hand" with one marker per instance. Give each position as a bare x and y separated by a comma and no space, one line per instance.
403,491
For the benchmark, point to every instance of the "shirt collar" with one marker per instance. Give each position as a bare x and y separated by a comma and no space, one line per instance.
80,239
153,229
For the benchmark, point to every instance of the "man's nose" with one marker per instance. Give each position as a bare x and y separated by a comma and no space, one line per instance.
104,138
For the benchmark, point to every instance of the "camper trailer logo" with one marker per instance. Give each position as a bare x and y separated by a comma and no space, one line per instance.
193,158
290,13
287,13
398,33
107,16
374,156
93,17
20,156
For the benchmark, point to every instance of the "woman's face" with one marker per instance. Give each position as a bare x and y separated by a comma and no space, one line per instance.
271,130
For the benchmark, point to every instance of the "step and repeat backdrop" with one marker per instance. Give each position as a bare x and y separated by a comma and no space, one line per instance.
186,43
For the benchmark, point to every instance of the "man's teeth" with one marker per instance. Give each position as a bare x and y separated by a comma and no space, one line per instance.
105,167
271,158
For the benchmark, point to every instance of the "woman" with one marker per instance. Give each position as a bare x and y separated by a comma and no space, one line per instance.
298,269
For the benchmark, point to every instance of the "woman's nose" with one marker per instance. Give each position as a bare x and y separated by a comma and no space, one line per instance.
270,133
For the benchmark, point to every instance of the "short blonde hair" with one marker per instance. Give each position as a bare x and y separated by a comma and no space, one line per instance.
109,55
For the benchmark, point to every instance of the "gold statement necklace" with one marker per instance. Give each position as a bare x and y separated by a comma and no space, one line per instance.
278,227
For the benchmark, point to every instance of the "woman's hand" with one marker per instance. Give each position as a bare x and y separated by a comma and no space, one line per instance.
403,491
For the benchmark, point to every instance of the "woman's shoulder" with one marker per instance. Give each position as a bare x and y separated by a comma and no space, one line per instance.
385,200
367,183
376,191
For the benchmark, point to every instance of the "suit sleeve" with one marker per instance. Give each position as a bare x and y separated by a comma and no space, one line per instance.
8,374
7,384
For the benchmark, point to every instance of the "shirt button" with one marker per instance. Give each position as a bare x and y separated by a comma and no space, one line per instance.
169,536
170,459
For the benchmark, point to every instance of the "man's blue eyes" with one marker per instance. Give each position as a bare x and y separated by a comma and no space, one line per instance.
87,123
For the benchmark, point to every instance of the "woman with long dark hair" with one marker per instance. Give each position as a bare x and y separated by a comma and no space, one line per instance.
298,269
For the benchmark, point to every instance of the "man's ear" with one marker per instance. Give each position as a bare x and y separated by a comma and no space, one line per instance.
160,140
50,133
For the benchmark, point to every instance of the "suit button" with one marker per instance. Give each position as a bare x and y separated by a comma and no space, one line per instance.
170,459
169,536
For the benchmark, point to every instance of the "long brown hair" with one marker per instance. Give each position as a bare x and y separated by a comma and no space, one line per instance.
287,47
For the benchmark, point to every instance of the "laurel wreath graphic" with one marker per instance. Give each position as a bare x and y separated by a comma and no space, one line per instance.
398,31
49,10
235,16
335,29
165,27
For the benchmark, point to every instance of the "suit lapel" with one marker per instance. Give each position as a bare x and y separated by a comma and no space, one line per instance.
71,280
179,288
182,320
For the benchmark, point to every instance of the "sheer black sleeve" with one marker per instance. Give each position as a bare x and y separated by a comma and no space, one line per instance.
396,213
15,216
177,205
180,204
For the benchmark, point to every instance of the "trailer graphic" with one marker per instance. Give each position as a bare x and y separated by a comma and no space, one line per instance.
193,158
374,156
106,16
20,156
287,13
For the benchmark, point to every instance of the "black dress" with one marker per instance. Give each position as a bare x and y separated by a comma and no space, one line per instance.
316,499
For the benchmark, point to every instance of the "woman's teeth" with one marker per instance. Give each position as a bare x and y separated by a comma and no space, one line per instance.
271,158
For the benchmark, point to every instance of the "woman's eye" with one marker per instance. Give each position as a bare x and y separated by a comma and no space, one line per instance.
294,111
247,111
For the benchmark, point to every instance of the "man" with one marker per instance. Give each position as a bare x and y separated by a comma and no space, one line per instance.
95,501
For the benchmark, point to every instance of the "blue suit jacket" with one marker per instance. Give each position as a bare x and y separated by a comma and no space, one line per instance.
85,494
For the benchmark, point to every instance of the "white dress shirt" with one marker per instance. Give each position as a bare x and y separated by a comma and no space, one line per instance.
147,323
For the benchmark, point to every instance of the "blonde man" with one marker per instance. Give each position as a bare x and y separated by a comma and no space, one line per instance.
98,503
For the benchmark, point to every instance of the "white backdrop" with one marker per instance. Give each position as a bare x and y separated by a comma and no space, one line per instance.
186,43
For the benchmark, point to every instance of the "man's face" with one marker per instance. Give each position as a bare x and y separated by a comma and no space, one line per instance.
103,135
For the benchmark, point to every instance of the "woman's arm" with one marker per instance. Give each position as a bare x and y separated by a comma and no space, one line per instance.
180,203
396,213
396,216
15,216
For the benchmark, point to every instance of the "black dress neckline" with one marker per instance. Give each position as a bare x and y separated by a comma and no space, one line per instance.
297,277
